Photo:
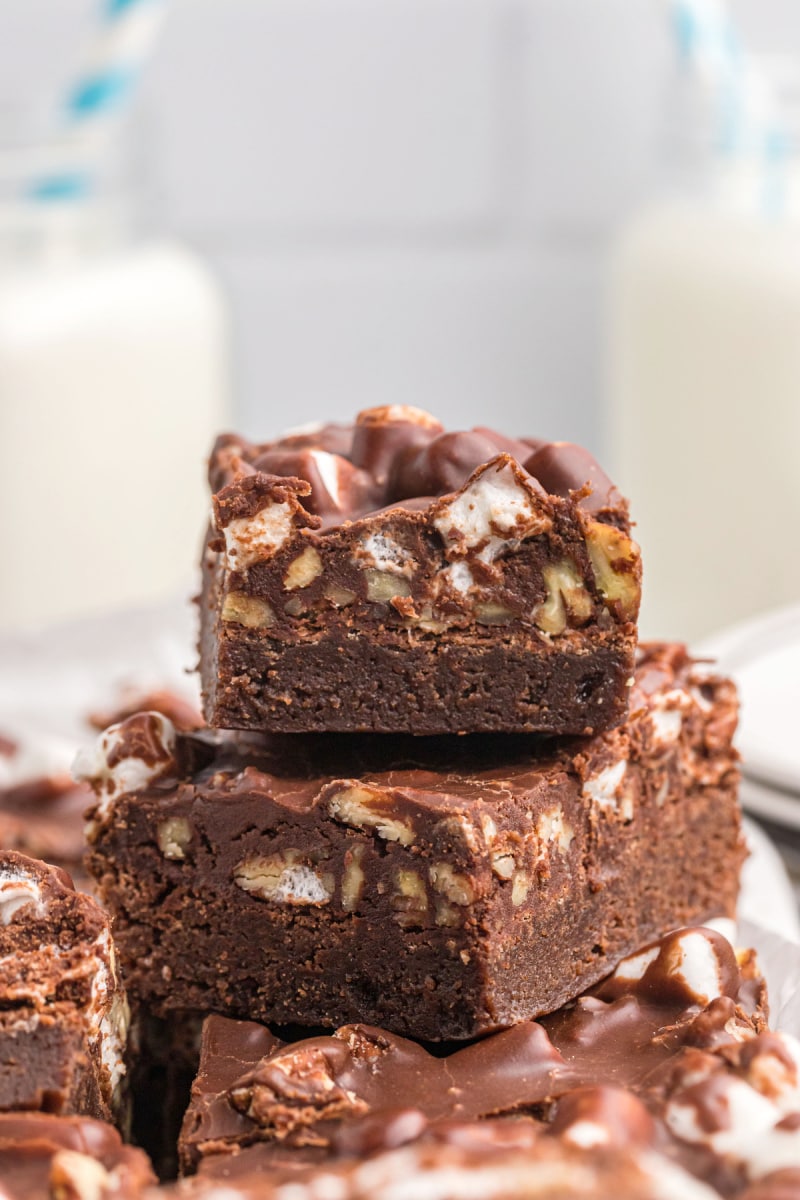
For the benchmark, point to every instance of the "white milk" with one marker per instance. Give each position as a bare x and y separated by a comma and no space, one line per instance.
113,382
705,408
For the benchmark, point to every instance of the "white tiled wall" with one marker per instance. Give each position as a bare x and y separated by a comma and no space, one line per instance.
406,200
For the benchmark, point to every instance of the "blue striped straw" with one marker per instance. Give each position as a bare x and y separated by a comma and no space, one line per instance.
102,92
748,119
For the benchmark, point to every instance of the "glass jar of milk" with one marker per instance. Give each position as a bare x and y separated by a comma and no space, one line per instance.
705,396
113,381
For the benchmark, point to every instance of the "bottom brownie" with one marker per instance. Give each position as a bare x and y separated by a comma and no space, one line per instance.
439,888
668,1056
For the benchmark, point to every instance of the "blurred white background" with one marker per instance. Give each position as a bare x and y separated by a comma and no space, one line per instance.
406,200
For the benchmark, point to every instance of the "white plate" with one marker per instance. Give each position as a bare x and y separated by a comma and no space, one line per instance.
763,656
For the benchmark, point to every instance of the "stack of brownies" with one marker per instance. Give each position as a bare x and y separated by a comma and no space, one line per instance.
442,794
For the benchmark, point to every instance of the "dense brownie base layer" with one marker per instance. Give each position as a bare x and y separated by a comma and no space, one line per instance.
439,685
437,887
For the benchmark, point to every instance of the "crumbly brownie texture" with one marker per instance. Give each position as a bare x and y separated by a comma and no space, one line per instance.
451,887
63,1013
45,1157
392,577
339,1095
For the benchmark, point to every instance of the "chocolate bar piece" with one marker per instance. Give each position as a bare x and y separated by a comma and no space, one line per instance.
395,578
340,1095
45,1157
63,1013
438,888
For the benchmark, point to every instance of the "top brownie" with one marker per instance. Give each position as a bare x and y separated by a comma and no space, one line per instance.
393,577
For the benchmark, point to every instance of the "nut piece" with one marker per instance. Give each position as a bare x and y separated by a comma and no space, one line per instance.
447,914
503,863
361,808
173,836
383,586
353,878
520,888
565,594
617,568
454,887
411,899
340,597
285,878
303,570
251,611
489,612
78,1175
552,827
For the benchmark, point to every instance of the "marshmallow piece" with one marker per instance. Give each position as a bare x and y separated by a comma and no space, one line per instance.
498,506
127,757
17,891
385,554
253,539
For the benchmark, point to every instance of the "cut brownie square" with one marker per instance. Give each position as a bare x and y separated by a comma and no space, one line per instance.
63,1013
439,888
394,578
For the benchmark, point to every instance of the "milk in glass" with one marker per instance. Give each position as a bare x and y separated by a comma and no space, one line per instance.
113,381
705,398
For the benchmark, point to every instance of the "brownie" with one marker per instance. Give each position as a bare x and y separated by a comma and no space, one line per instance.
364,1089
392,577
439,888
661,1082
45,1157
63,1013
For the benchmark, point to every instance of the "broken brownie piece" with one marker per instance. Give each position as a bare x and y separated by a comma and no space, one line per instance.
669,1054
364,1089
63,1012
45,1157
438,888
392,577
